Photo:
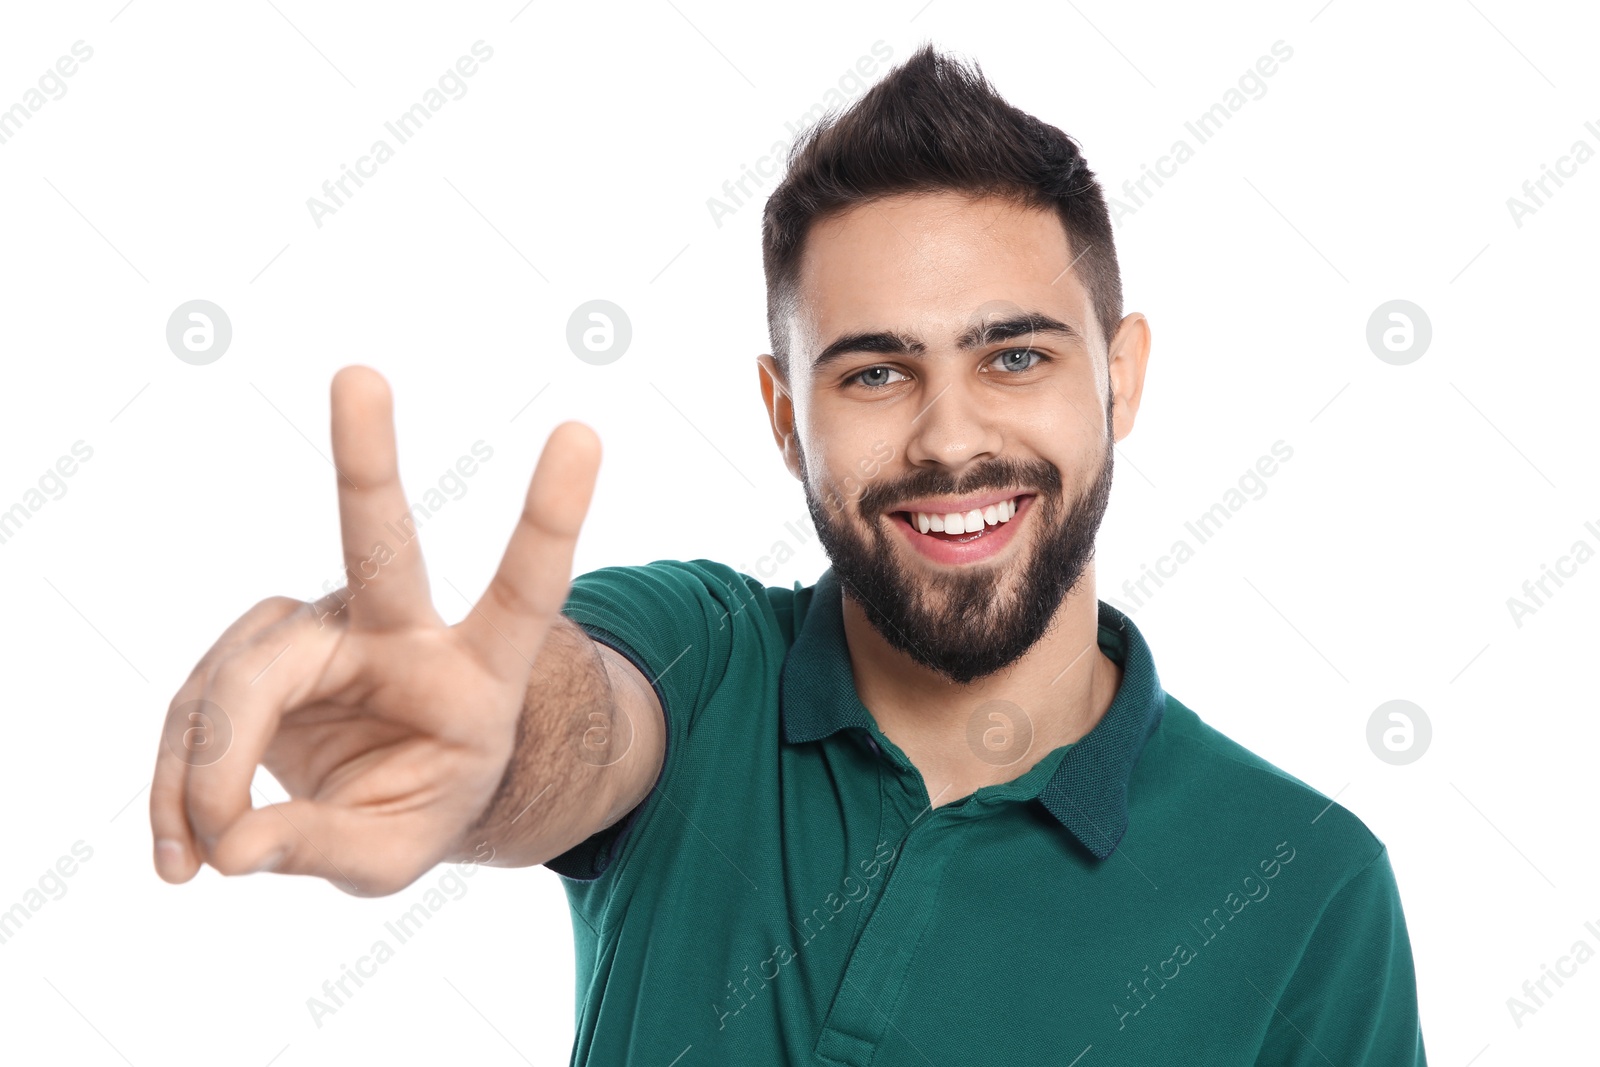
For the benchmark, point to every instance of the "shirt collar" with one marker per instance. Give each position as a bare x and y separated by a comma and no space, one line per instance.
1087,793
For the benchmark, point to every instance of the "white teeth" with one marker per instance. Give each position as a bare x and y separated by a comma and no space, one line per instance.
965,522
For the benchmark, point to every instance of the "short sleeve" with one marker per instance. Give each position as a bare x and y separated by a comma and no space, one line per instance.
679,623
1352,1000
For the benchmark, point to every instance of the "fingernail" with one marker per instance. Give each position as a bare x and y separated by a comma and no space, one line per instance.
270,863
169,854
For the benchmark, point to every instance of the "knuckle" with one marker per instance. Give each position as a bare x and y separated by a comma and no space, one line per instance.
330,608
211,801
262,615
223,669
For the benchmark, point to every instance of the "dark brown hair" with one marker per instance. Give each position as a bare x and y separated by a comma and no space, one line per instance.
933,125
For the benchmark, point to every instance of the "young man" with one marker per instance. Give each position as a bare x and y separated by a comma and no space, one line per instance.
935,808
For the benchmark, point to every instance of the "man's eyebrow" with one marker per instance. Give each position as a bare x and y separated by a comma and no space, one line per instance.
887,342
1028,322
882,342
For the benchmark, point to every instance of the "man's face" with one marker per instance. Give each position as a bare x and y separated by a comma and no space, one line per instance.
945,360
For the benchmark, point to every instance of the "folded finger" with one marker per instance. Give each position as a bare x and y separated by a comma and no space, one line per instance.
221,735
175,854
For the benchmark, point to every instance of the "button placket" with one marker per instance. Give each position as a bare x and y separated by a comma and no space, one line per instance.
881,960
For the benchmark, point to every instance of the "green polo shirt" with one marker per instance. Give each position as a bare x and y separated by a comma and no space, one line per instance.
786,895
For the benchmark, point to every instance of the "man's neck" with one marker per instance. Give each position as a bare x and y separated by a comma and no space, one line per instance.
1062,685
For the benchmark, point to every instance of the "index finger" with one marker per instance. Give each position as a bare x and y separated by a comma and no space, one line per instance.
509,621
388,584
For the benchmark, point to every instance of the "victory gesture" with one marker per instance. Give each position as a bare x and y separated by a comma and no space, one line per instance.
392,732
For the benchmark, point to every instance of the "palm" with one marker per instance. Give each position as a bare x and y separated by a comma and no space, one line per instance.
389,730
390,742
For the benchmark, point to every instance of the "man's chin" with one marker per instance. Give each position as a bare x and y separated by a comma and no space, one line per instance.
963,600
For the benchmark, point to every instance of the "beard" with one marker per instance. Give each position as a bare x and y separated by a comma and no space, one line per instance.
972,620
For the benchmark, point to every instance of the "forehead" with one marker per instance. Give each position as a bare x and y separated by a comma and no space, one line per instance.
925,263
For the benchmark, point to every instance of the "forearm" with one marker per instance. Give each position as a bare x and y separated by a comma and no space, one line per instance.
559,784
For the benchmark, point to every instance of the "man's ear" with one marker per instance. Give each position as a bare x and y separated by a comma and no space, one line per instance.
1126,359
780,410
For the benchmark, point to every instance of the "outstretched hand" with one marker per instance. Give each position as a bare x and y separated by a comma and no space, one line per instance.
389,729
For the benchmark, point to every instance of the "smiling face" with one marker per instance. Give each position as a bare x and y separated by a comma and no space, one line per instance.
950,409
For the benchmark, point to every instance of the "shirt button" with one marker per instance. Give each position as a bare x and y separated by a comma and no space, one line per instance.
875,750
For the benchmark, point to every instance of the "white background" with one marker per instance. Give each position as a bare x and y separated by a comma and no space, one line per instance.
1377,165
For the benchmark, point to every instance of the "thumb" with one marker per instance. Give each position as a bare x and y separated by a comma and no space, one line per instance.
299,837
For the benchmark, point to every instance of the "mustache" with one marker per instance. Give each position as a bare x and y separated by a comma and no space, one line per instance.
1042,478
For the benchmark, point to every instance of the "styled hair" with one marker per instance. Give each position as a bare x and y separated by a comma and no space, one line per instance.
932,125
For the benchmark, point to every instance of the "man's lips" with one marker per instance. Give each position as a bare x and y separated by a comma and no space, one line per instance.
967,515
982,543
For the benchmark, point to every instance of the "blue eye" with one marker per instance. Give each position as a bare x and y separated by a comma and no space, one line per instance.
1002,359
862,377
